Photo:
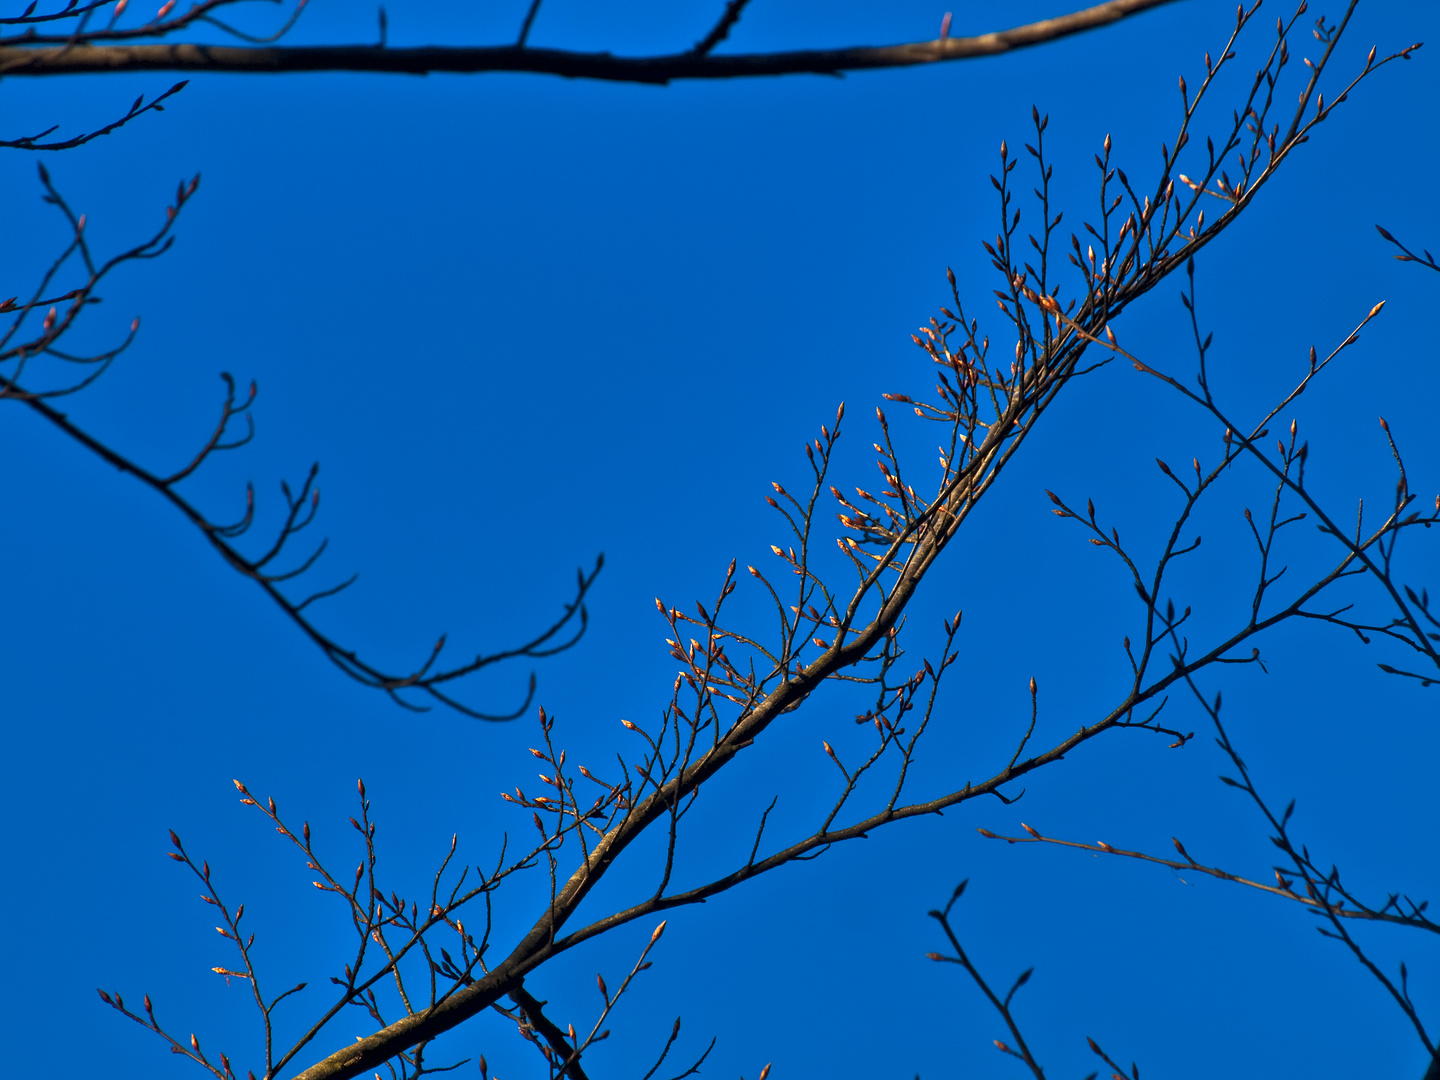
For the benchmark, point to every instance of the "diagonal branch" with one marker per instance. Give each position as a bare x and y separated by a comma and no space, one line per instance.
139,108
430,679
529,22
421,680
721,30
990,405
1023,1054
546,1027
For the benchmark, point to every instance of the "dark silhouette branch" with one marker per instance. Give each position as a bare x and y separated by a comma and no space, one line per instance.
421,680
1282,888
39,56
1304,880
139,108
1426,260
1322,887
529,22
1002,1005
721,30
24,345
532,1011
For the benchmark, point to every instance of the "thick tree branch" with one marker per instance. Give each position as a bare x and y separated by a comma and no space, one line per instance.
989,406
1046,358
692,64
565,1052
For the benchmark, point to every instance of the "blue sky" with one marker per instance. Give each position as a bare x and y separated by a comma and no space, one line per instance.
521,321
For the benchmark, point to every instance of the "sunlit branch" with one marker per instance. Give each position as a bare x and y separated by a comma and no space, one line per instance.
733,682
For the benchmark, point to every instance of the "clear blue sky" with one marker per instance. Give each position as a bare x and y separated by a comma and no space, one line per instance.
522,320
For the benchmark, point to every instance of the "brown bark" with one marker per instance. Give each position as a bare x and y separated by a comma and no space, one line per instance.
695,64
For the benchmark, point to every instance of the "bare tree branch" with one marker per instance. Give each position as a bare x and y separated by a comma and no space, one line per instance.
1002,1006
39,56
991,406
24,346
1282,888
534,1014
529,22
139,108
721,30
733,683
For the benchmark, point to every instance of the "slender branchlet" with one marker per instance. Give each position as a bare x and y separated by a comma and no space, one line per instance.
837,615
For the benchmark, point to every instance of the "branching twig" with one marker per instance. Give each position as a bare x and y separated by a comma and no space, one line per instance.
733,682
1414,917
1002,1006
23,345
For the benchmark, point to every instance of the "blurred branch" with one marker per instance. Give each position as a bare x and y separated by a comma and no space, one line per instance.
139,108
165,22
39,55
721,30
529,21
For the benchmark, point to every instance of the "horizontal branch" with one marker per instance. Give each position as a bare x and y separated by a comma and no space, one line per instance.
100,59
